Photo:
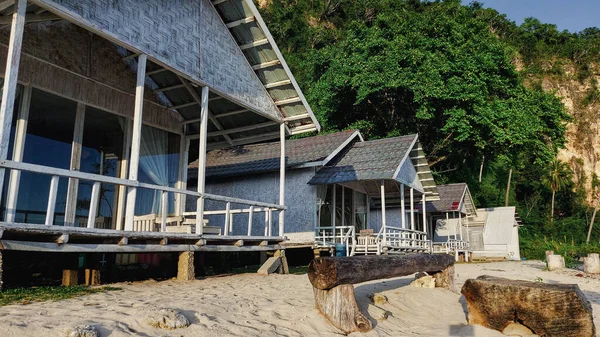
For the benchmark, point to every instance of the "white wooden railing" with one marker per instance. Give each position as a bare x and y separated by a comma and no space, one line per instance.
402,238
330,236
450,246
55,173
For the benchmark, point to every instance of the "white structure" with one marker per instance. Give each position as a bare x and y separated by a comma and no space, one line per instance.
495,234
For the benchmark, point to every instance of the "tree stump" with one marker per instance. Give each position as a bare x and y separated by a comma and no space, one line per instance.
339,306
591,264
555,262
546,309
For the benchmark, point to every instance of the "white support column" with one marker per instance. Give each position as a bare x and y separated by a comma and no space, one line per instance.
51,201
94,204
281,177
383,220
460,224
10,80
343,222
412,208
18,151
250,215
333,206
76,146
164,207
402,206
121,200
181,175
423,202
202,161
226,225
136,139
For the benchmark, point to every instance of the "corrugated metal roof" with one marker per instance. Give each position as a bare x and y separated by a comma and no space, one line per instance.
498,225
265,157
370,160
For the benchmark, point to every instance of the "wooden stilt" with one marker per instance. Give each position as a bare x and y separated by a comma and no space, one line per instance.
338,304
185,266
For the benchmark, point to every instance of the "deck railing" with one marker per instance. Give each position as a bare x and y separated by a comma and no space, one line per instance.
330,236
403,238
97,179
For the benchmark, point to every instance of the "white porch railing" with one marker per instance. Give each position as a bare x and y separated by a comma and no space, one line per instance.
55,173
450,246
402,238
330,236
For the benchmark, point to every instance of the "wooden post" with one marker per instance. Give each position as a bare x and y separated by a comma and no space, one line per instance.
181,174
508,188
202,161
185,267
270,212
164,204
227,219
460,224
383,219
76,146
94,204
136,140
402,206
70,277
10,79
123,173
51,201
281,177
18,150
412,208
250,215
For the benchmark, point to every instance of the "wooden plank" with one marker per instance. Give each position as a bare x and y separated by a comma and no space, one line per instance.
18,151
51,201
281,177
227,219
241,129
202,159
250,215
266,65
30,18
231,113
288,101
412,208
184,105
6,4
296,118
76,146
10,79
245,140
279,84
94,202
240,22
136,140
297,131
256,44
270,266
173,87
163,211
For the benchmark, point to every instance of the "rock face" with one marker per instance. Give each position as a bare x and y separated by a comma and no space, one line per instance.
84,331
165,318
550,310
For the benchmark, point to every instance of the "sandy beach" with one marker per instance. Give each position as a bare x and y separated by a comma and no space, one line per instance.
275,305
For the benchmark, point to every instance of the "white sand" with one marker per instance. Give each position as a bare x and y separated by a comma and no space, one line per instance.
275,305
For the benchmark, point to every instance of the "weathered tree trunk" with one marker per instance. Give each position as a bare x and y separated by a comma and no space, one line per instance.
508,187
328,272
552,207
592,221
547,309
339,306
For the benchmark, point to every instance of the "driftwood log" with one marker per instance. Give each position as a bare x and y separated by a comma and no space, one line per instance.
333,278
546,309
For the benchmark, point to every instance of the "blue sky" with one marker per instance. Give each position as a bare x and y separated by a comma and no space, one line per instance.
572,15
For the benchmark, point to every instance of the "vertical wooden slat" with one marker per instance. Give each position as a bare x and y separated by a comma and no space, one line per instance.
266,222
18,151
94,202
202,160
181,174
10,80
270,213
412,208
250,215
383,219
163,210
123,173
136,140
403,206
73,187
51,201
281,177
226,227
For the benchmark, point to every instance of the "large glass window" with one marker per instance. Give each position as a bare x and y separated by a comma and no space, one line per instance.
48,142
102,153
360,209
159,165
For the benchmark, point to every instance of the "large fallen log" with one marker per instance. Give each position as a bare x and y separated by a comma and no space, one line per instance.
546,309
333,278
327,272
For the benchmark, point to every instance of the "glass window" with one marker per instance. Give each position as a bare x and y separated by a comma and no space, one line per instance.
360,210
348,206
48,142
325,203
159,165
101,153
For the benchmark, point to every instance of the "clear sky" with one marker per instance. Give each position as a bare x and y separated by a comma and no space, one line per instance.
572,15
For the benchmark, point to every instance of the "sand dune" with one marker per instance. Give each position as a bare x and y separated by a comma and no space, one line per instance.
275,305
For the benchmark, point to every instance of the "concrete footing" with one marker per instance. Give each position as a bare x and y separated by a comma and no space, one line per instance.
591,264
555,262
185,266
92,277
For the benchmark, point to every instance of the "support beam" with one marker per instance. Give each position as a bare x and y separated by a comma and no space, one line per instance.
250,215
288,101
184,105
94,202
255,44
266,65
281,177
244,140
173,87
297,117
128,132
240,22
402,206
202,160
51,201
10,80
242,129
184,150
278,84
383,219
412,208
76,146
30,18
6,4
136,140
18,151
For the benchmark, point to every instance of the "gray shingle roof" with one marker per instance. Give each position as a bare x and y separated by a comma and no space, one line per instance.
450,195
265,157
375,159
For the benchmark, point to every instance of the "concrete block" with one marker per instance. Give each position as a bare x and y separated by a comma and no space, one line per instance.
185,267
69,277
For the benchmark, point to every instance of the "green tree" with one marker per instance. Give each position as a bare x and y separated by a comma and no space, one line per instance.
557,177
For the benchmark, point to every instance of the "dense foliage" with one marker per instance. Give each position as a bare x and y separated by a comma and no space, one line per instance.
448,72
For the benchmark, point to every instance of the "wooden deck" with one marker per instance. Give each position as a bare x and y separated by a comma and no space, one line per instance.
43,238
